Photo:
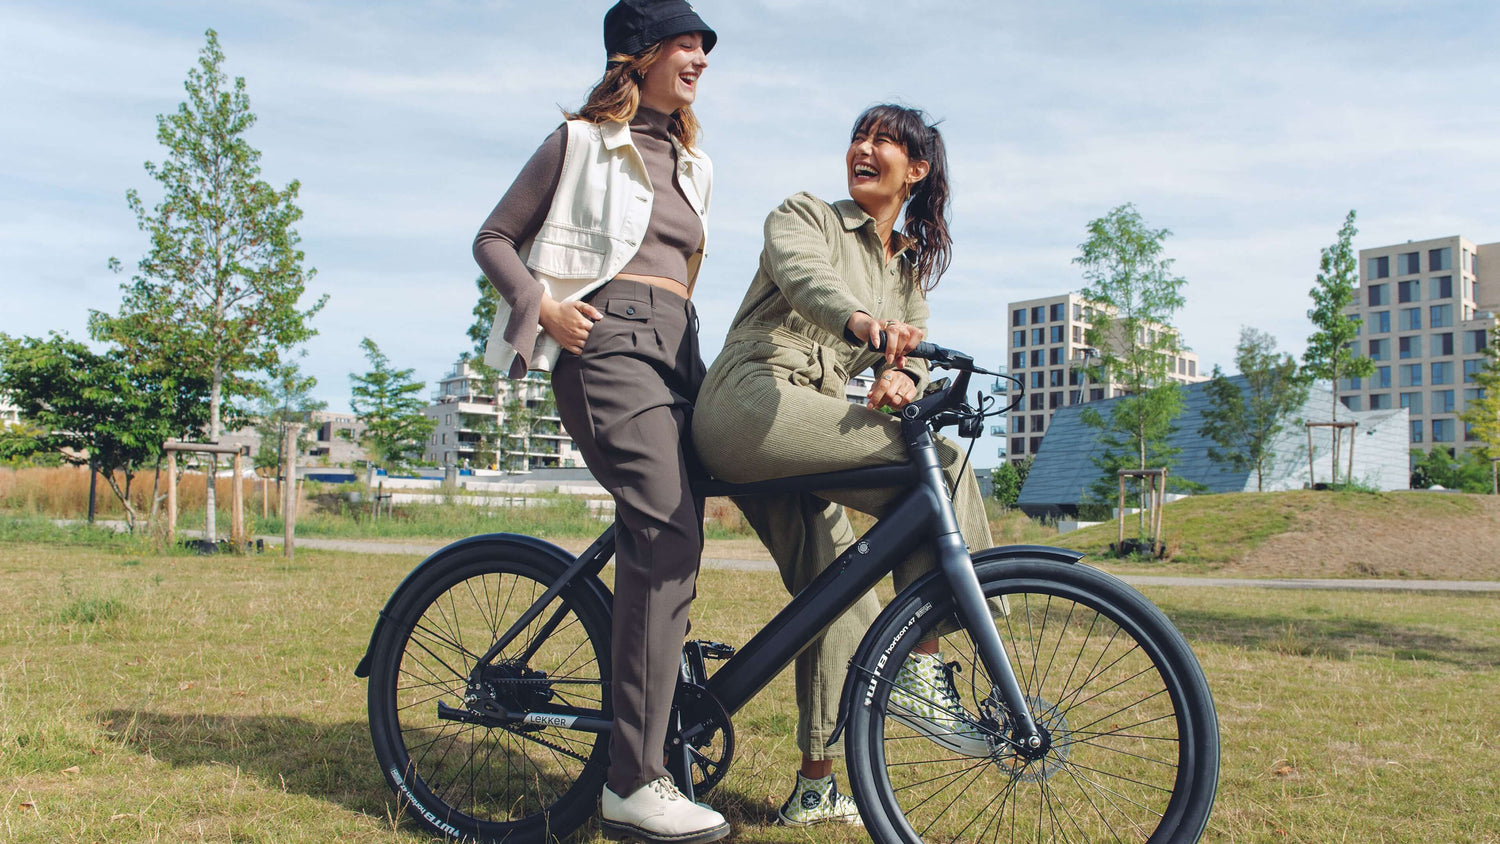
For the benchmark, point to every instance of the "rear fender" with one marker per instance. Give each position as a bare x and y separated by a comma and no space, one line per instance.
496,541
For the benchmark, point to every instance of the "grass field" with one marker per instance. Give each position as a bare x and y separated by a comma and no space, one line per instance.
178,698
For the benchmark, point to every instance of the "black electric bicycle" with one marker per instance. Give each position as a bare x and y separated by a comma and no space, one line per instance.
1085,715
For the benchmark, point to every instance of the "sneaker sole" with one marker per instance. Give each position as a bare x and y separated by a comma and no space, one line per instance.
624,831
783,820
967,747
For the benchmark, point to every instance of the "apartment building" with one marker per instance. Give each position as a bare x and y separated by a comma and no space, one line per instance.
9,413
465,407
1049,352
1426,308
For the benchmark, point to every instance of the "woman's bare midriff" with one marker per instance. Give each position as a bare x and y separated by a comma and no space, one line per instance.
670,285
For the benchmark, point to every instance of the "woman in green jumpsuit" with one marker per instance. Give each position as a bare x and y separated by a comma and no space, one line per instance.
773,406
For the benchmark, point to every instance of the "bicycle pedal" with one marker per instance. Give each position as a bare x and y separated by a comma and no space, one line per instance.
714,650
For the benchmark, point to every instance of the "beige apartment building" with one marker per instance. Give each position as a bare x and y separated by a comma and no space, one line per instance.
1048,352
465,407
1426,308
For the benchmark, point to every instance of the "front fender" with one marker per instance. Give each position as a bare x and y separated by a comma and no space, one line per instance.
867,645
496,540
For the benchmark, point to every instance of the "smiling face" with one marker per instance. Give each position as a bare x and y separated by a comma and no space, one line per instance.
880,172
671,82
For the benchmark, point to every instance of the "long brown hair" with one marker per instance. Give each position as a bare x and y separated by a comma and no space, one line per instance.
617,95
927,208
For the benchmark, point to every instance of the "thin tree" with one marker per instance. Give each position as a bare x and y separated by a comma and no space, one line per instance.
1244,421
1482,415
1133,295
218,291
1331,353
387,401
286,399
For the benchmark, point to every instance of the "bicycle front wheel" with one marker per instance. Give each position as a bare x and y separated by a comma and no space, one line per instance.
1132,742
483,781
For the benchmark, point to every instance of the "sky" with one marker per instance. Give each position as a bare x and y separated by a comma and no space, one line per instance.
1247,129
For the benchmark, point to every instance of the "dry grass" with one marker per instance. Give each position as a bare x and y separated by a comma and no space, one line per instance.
62,492
171,699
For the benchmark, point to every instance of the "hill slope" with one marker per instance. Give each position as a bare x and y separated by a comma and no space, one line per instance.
1443,536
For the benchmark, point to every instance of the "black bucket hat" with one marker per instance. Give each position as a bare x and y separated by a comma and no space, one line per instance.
633,25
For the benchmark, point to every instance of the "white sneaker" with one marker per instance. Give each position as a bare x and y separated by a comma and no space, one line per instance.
658,812
925,699
817,801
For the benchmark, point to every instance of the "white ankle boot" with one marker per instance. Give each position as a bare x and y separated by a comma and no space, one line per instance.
658,812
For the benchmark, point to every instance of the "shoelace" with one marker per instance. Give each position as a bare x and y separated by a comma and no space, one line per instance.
664,787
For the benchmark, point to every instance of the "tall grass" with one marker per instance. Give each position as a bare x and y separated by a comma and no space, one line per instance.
62,492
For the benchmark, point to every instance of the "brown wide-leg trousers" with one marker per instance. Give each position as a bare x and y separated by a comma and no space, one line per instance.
627,402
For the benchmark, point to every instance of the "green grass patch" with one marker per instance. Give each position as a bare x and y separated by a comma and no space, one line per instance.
222,706
92,610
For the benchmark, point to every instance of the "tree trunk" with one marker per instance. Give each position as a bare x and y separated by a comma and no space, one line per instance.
211,502
93,485
155,499
1333,477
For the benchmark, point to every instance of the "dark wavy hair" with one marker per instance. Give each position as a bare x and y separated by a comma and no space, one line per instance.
927,207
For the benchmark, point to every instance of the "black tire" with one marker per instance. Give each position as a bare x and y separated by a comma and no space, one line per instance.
1134,753
522,784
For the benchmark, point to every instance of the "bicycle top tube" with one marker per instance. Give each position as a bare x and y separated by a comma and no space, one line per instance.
899,474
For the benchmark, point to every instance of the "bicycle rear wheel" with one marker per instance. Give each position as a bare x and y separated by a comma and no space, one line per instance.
485,781
1132,751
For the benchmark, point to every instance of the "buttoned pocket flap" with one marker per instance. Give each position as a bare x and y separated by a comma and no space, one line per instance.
628,309
566,253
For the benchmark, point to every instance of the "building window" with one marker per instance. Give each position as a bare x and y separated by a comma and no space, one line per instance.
1038,336
1381,320
1055,356
1037,399
1380,349
1442,402
1379,268
1380,401
1054,400
1018,424
1377,295
1442,430
1412,402
1411,375
1057,335
1192,368
1440,316
1440,259
1017,339
1038,422
1442,372
1472,395
1056,312
1411,320
1472,368
1347,384
1077,334
1416,430
1017,360
1475,341
1383,377
1018,316
1017,445
1351,402
1036,444
1077,312
1057,378
1038,357
1409,291
1440,287
1075,377
1408,263
1037,379
1038,314
1409,347
1096,394
1442,344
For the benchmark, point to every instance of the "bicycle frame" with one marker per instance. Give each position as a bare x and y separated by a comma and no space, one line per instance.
924,513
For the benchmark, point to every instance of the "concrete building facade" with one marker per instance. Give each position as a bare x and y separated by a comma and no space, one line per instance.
1426,308
1049,351
466,407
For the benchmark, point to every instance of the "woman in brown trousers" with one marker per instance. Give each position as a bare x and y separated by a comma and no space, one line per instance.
594,250
773,405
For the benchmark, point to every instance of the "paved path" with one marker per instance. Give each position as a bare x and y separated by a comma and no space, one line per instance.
423,548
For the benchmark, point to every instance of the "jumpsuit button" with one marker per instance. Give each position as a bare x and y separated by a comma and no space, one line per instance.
630,311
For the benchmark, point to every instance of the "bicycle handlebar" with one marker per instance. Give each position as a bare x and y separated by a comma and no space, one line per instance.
943,357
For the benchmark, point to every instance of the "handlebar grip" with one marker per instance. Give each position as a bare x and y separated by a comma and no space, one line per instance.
924,349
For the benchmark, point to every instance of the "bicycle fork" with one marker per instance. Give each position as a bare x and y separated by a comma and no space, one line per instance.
958,571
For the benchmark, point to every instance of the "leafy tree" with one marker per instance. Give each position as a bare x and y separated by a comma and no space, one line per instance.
1438,467
1244,422
387,401
218,292
1133,295
97,410
1482,415
1331,353
286,399
1009,477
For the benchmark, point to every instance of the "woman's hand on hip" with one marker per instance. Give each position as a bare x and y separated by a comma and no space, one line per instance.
900,337
893,389
569,323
